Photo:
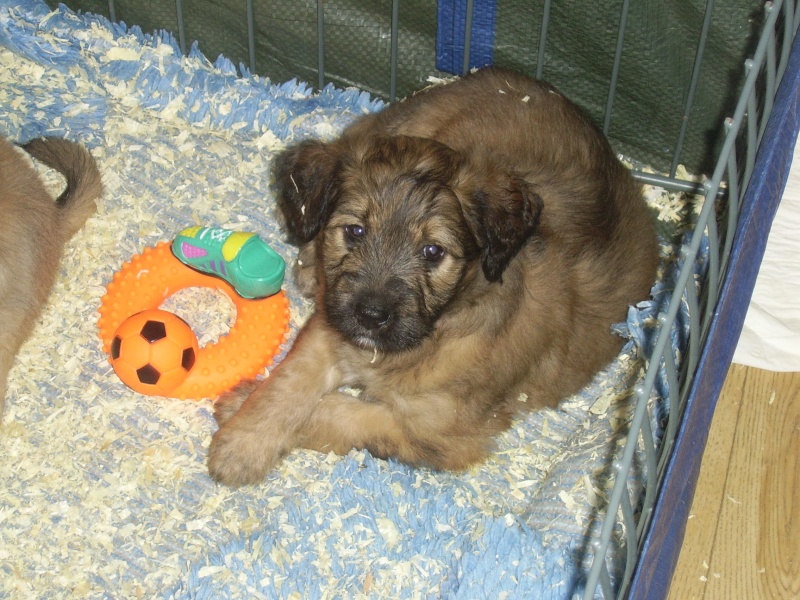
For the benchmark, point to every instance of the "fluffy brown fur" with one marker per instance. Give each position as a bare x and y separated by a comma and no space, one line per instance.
33,230
470,244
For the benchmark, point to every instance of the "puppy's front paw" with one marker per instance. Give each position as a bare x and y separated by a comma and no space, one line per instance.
229,403
238,457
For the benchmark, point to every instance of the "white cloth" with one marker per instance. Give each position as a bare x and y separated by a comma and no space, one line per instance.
771,335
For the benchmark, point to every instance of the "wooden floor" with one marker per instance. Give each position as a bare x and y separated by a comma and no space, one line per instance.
743,535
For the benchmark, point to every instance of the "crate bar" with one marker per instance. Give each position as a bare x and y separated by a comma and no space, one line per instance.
713,280
612,88
631,545
681,288
181,29
251,36
112,11
790,22
675,407
393,50
543,39
733,200
752,129
672,184
651,461
605,582
692,293
771,73
320,45
660,549
467,38
790,5
690,96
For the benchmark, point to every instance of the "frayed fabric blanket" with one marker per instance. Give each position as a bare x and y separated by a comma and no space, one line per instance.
104,493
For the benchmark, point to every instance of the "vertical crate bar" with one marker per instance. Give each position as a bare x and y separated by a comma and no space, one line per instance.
651,462
752,130
612,88
181,28
696,68
674,408
320,45
713,280
690,291
771,73
251,35
393,50
543,39
788,35
467,38
631,543
733,200
795,22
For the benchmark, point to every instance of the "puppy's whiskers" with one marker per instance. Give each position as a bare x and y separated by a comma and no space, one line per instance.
374,355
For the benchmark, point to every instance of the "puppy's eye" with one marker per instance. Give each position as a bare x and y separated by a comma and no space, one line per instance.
354,232
432,253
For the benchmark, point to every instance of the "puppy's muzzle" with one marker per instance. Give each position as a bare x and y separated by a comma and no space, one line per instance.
381,316
373,312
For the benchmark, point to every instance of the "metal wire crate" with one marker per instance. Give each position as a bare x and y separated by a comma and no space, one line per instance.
742,190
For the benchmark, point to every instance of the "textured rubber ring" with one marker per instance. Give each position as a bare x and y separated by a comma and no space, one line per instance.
251,344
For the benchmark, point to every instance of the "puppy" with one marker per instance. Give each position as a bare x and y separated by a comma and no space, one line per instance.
33,231
468,248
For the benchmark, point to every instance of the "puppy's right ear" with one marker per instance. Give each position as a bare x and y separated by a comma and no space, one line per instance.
306,176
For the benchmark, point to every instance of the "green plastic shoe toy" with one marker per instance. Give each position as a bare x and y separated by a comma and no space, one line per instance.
242,259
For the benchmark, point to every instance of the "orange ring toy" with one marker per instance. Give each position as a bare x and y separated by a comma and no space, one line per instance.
250,345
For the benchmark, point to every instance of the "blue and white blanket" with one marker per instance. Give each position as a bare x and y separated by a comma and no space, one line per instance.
104,493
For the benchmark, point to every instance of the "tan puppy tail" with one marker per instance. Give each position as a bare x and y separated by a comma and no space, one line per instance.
84,184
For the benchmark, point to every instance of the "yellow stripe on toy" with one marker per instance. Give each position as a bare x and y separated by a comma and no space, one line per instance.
192,231
234,243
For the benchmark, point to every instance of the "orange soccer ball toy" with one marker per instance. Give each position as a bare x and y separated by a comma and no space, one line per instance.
153,351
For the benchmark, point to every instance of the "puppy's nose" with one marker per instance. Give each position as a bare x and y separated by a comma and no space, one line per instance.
373,313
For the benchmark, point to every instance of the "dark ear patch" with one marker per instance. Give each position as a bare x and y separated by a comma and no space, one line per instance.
503,217
307,182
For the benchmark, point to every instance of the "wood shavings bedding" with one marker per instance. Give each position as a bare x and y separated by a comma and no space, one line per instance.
104,493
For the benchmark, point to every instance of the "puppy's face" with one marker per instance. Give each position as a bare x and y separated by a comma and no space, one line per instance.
401,228
396,247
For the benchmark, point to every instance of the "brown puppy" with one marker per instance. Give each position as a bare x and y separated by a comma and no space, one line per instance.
468,245
33,231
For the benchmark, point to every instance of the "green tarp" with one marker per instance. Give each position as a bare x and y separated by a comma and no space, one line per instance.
659,47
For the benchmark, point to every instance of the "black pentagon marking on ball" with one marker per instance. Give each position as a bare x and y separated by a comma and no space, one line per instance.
153,331
116,344
148,374
188,358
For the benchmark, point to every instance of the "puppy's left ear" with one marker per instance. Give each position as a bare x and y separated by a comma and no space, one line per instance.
307,179
503,215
